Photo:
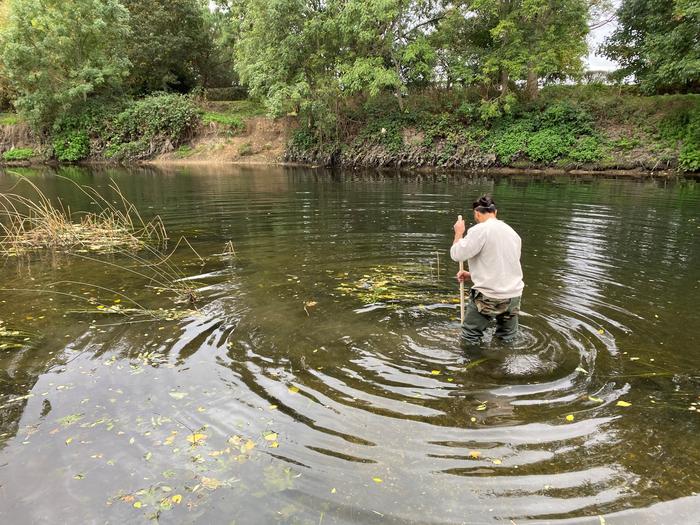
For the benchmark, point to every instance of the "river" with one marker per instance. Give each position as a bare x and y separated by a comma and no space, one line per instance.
318,378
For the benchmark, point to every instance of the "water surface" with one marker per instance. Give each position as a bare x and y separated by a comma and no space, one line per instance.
320,380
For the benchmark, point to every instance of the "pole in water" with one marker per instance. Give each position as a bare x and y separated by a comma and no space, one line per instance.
461,287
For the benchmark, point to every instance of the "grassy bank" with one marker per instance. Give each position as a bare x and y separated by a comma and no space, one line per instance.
568,127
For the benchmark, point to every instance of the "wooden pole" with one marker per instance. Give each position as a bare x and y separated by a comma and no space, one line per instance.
461,287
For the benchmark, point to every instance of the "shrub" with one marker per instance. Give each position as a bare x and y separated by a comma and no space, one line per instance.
71,146
245,149
510,144
155,124
689,158
302,140
547,144
16,154
586,150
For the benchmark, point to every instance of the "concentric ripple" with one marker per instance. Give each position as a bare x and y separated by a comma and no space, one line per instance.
324,377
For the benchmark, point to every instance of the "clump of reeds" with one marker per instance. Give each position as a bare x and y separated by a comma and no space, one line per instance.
29,225
34,224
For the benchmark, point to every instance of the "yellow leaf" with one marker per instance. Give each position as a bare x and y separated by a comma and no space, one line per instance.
293,389
249,445
595,399
474,454
449,379
435,372
274,444
623,403
210,483
196,439
497,461
570,417
137,504
270,435
177,498
481,406
378,480
333,491
472,419
601,331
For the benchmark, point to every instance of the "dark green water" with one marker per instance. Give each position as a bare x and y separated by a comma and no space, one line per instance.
378,416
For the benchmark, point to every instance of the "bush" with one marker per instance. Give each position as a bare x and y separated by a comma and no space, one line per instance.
155,124
548,144
587,150
16,154
684,125
689,158
510,144
245,149
71,146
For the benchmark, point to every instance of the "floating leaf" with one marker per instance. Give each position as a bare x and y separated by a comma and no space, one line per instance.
472,419
70,420
269,435
176,499
623,404
581,369
274,444
210,483
497,461
482,406
474,454
333,491
196,438
435,372
601,331
79,476
595,399
378,480
570,417
293,389
138,504
178,395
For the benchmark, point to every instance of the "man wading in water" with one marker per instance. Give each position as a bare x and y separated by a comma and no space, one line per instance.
492,249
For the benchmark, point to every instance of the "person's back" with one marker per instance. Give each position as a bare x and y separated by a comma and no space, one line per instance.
492,250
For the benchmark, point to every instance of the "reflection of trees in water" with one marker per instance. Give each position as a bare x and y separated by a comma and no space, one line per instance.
20,369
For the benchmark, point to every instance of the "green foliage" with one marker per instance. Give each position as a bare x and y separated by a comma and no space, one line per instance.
71,146
56,54
18,154
587,150
684,126
169,46
656,41
548,144
510,144
9,119
155,124
233,122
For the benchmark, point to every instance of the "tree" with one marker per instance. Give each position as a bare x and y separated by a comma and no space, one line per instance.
55,54
169,39
657,42
524,40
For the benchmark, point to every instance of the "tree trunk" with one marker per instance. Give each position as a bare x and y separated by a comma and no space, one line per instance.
504,81
532,86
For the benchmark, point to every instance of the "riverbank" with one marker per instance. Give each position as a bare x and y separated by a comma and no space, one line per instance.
579,131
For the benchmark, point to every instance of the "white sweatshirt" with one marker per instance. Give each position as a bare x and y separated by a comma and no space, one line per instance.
492,249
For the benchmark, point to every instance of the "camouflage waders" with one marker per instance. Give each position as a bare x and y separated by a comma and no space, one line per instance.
481,310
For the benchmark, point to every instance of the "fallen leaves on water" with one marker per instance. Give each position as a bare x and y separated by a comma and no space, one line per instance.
270,435
378,480
595,399
138,504
210,483
70,420
79,476
497,461
196,438
482,406
178,395
293,389
176,499
435,372
474,454
623,404
581,369
333,491
570,417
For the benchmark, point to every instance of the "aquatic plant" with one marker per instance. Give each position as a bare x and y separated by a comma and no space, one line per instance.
32,224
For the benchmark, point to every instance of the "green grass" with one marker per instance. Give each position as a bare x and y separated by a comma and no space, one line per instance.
9,119
232,114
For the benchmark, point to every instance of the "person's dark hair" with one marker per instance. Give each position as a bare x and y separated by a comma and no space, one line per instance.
484,204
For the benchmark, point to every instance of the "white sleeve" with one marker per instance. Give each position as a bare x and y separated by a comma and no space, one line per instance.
468,246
